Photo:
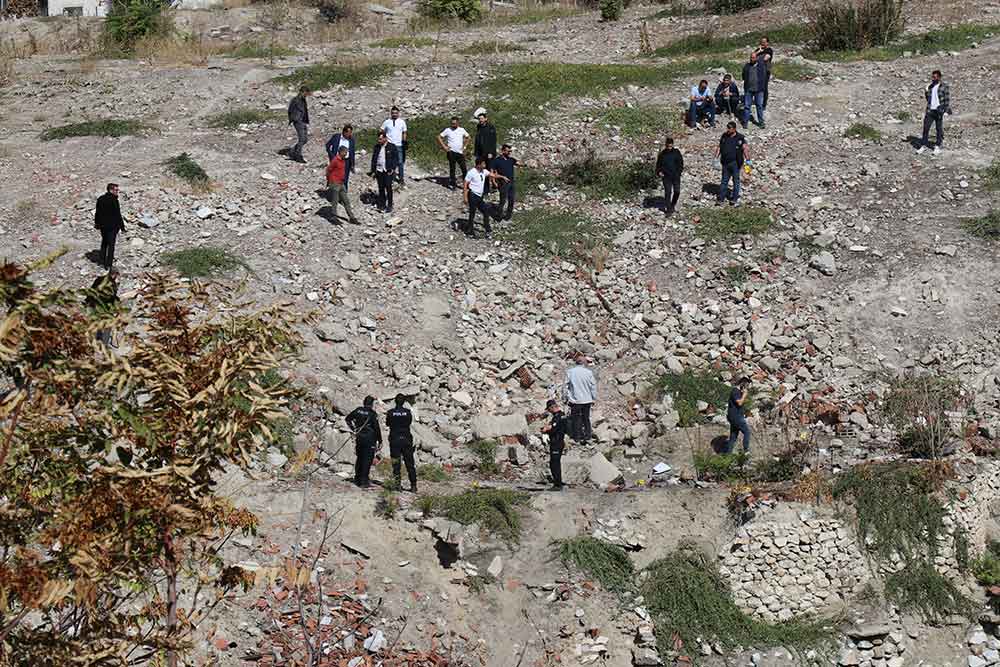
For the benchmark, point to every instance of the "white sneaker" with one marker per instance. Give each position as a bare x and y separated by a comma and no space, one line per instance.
921,149
937,150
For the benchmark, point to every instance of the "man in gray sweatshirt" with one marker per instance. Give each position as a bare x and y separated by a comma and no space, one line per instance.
581,393
754,85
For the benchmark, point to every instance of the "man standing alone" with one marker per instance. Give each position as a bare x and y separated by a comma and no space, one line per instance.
556,430
736,416
401,441
395,129
363,422
938,97
669,165
731,152
453,141
298,117
336,177
581,393
108,220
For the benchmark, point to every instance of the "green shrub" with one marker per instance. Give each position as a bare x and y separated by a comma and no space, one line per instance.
486,452
432,472
951,38
260,50
918,407
549,231
325,76
231,120
731,6
788,70
720,467
494,510
641,121
690,387
725,223
203,262
132,20
604,178
108,127
921,589
387,504
688,599
463,10
840,25
183,166
986,568
611,10
986,227
607,563
862,131
404,41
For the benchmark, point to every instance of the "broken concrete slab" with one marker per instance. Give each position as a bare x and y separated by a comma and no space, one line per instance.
488,427
602,472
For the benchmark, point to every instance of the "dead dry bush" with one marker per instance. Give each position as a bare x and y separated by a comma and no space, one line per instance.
6,71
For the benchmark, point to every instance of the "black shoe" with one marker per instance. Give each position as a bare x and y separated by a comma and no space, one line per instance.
380,209
744,125
388,210
556,487
413,487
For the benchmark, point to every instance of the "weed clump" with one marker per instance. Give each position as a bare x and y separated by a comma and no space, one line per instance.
788,70
862,131
550,231
690,387
387,504
604,178
495,510
720,467
108,127
607,563
841,25
920,588
986,568
132,20
230,120
918,407
183,166
431,472
462,10
486,452
708,42
991,175
639,121
724,223
611,10
731,6
689,599
403,42
985,227
203,262
325,76
260,50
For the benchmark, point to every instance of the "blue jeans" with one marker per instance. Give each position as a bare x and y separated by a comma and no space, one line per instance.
402,158
738,424
757,100
706,108
731,170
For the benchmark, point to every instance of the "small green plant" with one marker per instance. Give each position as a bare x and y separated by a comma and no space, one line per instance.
991,175
903,116
690,601
921,589
605,562
725,223
720,467
603,178
404,42
482,48
283,435
230,120
862,131
731,6
387,504
108,127
432,472
611,10
325,76
478,583
985,227
183,166
260,50
132,20
641,121
736,274
789,70
549,231
986,568
462,10
690,387
494,510
203,262
486,452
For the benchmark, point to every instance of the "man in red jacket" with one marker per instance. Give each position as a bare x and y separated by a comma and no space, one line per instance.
336,190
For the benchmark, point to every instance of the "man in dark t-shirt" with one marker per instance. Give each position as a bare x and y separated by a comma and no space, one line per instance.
767,53
732,152
736,416
556,430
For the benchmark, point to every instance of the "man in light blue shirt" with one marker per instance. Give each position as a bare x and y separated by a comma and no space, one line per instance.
581,393
702,104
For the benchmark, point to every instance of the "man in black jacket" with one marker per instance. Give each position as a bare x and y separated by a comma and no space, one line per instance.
486,139
727,96
731,152
669,165
385,160
401,441
503,166
108,220
556,430
754,85
367,439
298,117
345,137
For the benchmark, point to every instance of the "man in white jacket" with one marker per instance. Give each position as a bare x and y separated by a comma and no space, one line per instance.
581,392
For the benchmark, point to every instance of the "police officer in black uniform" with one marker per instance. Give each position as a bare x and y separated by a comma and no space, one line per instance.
401,441
557,435
367,439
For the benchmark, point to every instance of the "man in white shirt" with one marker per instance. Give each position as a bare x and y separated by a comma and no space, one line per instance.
453,141
395,129
702,104
475,185
938,97
581,393
383,165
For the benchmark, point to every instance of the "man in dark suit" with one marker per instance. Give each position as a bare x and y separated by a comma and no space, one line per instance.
108,220
345,137
385,160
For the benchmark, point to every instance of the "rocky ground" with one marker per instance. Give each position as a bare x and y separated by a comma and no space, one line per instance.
866,272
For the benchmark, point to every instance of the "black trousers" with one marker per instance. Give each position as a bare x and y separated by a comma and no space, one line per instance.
302,136
455,160
477,203
579,421
555,466
671,190
936,118
108,248
506,200
730,105
384,189
402,449
364,452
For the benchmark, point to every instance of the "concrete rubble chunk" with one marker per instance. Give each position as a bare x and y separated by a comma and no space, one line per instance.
760,332
495,568
602,472
824,262
488,427
350,262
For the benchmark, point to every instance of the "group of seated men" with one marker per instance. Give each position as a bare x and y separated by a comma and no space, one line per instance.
727,98
705,104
